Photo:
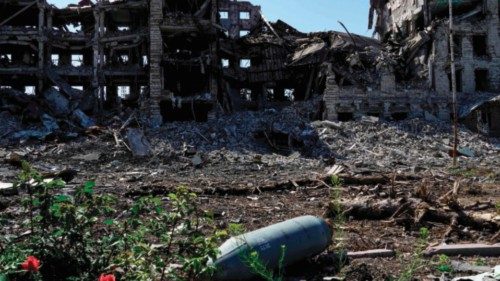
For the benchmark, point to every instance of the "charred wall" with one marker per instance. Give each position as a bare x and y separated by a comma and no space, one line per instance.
238,18
420,31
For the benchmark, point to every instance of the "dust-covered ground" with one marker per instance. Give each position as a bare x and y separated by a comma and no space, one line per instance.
259,168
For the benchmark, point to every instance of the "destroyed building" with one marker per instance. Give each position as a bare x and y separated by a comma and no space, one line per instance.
161,55
191,60
419,30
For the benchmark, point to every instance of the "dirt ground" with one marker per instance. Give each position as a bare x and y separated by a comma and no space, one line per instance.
256,186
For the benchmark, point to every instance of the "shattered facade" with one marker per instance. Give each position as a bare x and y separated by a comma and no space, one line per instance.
422,28
238,18
88,56
159,55
191,60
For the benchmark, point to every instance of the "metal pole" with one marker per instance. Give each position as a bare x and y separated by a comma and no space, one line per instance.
453,86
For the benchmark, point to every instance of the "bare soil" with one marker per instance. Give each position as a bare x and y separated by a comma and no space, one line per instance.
257,187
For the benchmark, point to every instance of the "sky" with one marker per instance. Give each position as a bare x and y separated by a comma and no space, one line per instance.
319,15
308,15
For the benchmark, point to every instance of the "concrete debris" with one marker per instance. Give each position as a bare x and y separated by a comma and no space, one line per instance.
49,123
7,189
88,157
8,124
282,131
403,145
488,276
197,161
465,267
58,104
82,119
138,143
29,117
31,134
465,250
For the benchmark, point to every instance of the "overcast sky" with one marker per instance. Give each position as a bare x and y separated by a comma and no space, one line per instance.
308,15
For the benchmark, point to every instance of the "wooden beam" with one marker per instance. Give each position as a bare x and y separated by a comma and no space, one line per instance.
483,250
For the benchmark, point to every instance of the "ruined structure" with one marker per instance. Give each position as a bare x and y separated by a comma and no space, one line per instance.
159,55
95,54
190,60
421,28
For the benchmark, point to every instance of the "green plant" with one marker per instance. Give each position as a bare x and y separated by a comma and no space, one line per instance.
444,264
235,229
481,262
81,235
339,219
253,261
497,207
464,172
417,260
336,181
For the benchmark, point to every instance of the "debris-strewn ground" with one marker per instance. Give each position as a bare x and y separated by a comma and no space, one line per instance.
245,172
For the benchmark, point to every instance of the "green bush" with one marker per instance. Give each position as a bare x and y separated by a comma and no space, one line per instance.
82,235
417,260
444,264
252,260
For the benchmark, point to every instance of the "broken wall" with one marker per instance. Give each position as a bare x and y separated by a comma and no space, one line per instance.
238,17
419,30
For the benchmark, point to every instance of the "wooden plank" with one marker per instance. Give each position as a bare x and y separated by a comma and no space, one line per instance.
465,250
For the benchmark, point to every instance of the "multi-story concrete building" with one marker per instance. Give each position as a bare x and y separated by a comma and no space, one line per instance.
476,39
414,75
165,51
101,49
186,60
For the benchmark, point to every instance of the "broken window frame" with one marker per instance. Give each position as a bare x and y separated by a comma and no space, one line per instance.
76,60
244,15
480,48
244,32
245,63
55,59
30,90
123,91
224,15
483,85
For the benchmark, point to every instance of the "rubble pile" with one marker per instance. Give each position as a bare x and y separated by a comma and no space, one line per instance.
368,143
25,116
412,145
282,131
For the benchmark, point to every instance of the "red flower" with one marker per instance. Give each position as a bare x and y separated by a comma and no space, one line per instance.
31,264
107,277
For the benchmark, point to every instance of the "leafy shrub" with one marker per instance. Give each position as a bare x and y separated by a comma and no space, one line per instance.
444,264
339,220
82,235
252,260
417,260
